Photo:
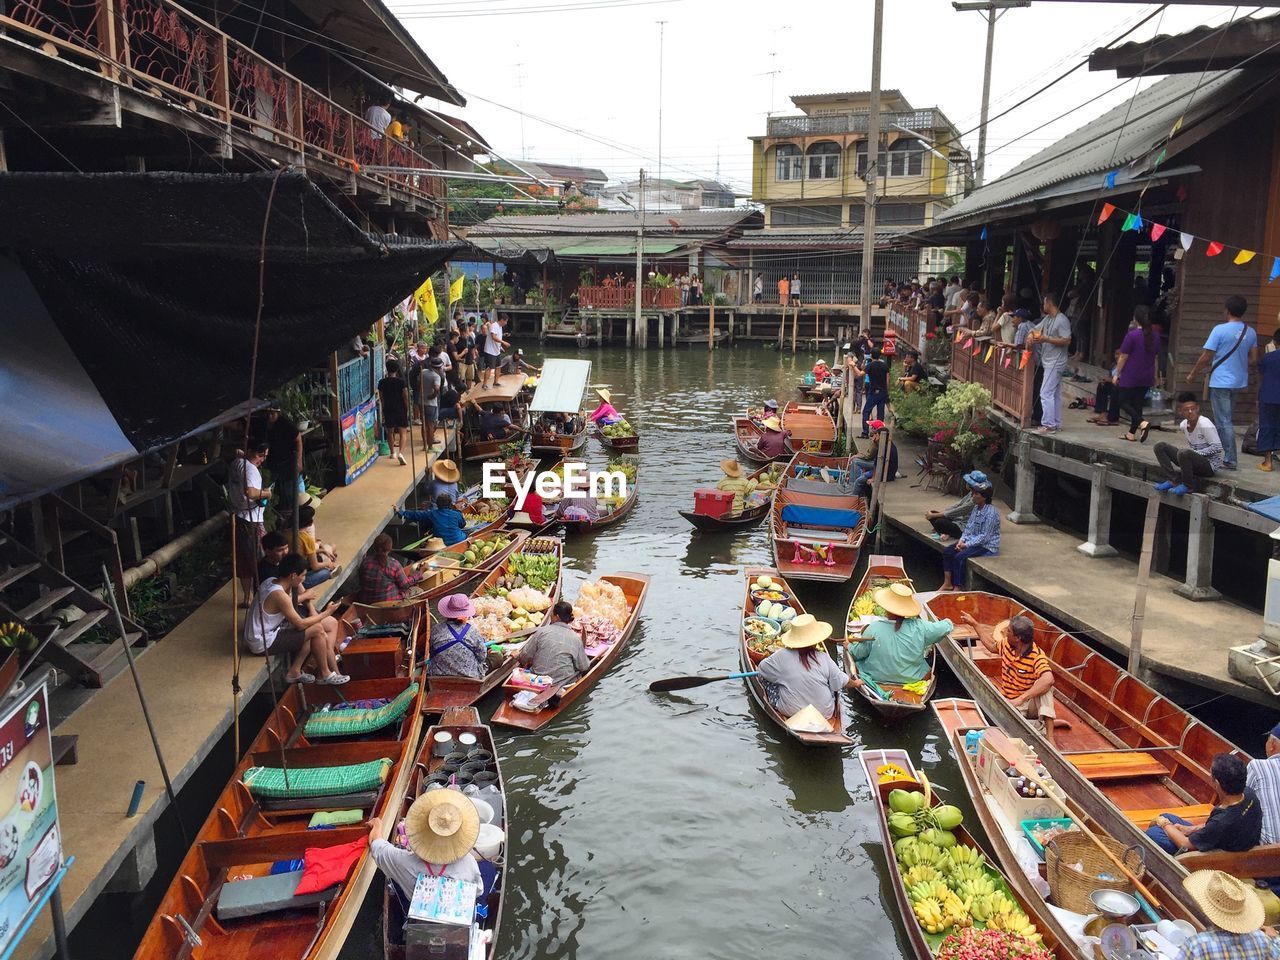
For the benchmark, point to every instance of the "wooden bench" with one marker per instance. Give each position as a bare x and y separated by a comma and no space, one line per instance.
1111,765
1197,813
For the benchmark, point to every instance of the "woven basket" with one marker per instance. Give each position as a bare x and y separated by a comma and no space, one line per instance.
1069,887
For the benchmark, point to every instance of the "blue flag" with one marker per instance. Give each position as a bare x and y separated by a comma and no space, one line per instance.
983,234
1275,270
1110,180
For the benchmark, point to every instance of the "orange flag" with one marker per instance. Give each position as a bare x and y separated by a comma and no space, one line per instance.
1026,355
1107,210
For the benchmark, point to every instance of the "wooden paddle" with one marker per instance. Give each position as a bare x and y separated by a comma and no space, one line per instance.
687,683
1000,743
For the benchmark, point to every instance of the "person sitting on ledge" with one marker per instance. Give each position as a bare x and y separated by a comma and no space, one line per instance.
946,523
1201,458
1234,825
980,538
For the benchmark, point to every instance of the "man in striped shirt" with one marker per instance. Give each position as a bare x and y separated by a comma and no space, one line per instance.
1263,776
1026,679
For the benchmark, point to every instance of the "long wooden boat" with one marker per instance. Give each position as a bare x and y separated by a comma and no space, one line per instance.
820,538
628,444
635,586
506,389
1126,755
750,515
544,443
809,428
747,433
881,571
615,515
395,651
923,944
245,835
836,736
958,717
805,472
456,721
444,693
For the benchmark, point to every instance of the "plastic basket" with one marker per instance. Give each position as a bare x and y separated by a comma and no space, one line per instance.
1029,825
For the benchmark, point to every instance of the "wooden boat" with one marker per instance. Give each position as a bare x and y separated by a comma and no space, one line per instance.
635,586
1128,754
506,389
749,660
245,834
750,515
391,654
747,434
924,944
809,428
456,721
444,693
621,444
605,519
803,475
818,540
544,443
958,717
882,571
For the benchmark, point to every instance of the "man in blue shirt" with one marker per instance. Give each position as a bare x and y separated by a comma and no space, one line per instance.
1232,348
980,538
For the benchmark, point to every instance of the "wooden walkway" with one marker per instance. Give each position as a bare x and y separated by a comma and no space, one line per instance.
187,679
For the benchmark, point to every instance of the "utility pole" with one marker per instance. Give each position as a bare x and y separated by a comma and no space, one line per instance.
662,29
992,10
872,172
640,261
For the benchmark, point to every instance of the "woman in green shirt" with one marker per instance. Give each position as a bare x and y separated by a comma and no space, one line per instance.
893,650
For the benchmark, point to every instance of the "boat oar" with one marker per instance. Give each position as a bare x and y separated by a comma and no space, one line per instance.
1012,756
687,683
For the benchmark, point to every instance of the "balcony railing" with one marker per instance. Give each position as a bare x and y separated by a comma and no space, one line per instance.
158,46
835,124
1011,383
617,298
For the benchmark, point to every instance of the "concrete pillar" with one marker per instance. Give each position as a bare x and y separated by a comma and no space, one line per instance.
630,326
1199,584
675,328
138,868
642,332
1024,485
1099,542
661,326
749,325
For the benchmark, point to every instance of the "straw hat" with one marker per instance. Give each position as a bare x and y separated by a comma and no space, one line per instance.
731,468
773,423
455,606
1229,903
604,395
806,631
434,545
442,826
446,471
898,599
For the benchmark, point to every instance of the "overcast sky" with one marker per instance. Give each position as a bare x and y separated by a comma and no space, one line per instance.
592,71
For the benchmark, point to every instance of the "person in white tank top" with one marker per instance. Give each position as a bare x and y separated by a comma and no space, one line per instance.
274,625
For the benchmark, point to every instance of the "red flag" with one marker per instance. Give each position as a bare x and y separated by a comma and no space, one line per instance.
1215,248
1156,230
968,343
1008,359
1026,355
1107,210
977,348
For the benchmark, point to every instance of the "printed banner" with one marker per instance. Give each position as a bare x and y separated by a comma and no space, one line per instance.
360,438
30,841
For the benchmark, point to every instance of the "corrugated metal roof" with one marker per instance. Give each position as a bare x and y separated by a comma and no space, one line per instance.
1120,136
713,221
615,246
843,239
561,386
1192,43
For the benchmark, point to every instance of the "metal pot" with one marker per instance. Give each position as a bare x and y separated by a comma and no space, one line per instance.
1115,905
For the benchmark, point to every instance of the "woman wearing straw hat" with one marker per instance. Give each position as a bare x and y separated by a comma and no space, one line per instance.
457,648
773,442
893,650
1237,914
444,479
802,673
440,828
605,414
734,482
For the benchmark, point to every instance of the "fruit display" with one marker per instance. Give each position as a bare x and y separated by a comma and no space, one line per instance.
525,569
758,627
602,600
625,467
616,431
771,476
775,610
519,464
866,606
482,512
482,548
15,636
973,943
599,631
497,618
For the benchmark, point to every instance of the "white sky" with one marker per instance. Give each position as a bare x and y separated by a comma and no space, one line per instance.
593,71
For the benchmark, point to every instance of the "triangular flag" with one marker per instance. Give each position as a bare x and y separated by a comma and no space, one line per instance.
1157,231
1215,248
455,290
1244,256
959,334
1176,127
1275,270
1186,240
426,297
1160,157
967,344
990,350
1130,222
1008,359
1107,210
983,234
1110,180
977,348
1026,355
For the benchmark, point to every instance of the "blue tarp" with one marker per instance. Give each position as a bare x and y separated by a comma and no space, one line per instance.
1269,508
820,516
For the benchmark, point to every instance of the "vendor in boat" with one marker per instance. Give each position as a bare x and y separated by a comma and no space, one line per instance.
275,625
555,649
578,508
528,510
383,578
758,416
443,520
440,828
894,650
444,479
495,422
773,441
820,371
802,673
737,483
457,648
1234,825
1236,915
1026,677
517,364
980,538
605,414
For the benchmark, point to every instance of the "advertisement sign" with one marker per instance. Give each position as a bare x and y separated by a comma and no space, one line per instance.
30,844
360,438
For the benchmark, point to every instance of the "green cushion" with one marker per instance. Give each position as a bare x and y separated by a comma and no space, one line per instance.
349,723
335,818
316,781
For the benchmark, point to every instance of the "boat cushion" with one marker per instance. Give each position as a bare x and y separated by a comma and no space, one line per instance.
258,895
335,818
299,782
820,516
347,723
328,866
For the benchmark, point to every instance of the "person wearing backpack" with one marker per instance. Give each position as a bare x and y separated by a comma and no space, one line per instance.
1229,352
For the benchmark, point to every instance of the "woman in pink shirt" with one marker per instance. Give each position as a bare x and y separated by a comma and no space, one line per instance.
605,413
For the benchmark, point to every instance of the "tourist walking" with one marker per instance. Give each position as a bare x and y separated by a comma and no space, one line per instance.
1229,352
877,389
1052,338
393,394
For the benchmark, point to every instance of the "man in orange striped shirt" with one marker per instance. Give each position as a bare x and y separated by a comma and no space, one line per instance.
1026,678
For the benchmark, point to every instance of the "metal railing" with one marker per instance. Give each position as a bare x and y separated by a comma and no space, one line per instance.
159,46
838,123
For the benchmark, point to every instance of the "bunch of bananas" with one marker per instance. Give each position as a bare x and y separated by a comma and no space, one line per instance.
922,873
956,910
984,906
922,853
964,855
1014,922
975,887
965,872
937,889
930,914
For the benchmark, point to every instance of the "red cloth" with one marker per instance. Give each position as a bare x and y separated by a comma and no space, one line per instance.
325,867
533,506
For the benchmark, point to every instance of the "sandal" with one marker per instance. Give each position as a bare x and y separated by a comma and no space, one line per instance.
334,679
1128,436
1144,428
300,678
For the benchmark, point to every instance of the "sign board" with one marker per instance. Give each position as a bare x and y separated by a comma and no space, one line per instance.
360,438
30,841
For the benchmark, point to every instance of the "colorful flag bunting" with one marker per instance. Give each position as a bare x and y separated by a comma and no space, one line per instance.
1275,270
1110,180
426,297
1160,157
977,349
1107,210
1026,355
983,234
1176,127
967,344
990,350
1244,256
1186,240
1157,231
959,334
1131,222
1215,248
1008,359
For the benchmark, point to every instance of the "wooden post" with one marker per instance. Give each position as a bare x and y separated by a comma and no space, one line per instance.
817,337
1144,575
711,329
795,327
877,504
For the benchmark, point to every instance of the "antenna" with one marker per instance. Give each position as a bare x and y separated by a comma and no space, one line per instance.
662,29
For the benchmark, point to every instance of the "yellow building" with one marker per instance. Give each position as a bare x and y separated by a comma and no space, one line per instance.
808,170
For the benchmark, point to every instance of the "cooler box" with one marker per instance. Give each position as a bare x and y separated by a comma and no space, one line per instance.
712,503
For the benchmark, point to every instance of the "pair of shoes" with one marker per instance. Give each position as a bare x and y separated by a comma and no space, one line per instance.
1181,490
1045,431
1164,485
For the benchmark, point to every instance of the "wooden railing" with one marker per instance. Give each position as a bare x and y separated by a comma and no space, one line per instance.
911,325
1011,384
619,298
161,47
